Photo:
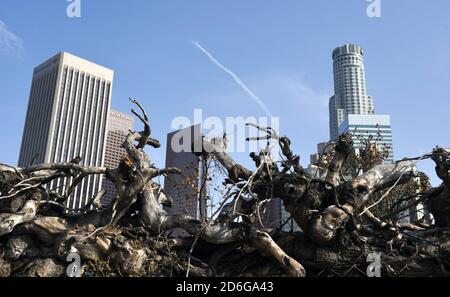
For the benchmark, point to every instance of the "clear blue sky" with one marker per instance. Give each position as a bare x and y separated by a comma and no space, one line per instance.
280,49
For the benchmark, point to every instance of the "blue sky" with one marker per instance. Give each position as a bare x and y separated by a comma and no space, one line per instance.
280,49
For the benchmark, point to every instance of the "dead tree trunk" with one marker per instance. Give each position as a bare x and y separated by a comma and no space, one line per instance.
131,236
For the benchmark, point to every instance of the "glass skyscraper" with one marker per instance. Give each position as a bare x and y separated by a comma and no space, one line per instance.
361,127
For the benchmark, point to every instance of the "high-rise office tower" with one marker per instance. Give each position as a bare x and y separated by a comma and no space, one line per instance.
66,118
185,189
351,109
118,127
361,127
350,96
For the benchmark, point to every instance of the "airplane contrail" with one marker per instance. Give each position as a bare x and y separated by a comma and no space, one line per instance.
235,77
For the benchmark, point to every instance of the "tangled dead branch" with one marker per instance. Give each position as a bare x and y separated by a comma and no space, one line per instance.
130,236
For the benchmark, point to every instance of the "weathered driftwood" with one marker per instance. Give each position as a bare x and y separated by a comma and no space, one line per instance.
129,237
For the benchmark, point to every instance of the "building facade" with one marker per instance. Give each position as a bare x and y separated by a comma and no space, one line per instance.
318,160
350,95
272,215
66,118
185,189
289,225
322,148
361,127
118,126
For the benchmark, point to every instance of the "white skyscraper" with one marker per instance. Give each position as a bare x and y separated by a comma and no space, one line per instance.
66,118
350,96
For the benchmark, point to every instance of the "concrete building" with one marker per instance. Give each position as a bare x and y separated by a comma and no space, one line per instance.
322,148
291,225
319,159
272,215
185,189
118,126
361,127
350,95
416,213
66,118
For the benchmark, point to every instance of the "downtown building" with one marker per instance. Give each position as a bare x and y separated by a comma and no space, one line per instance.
315,169
361,127
118,127
66,118
188,190
351,110
350,95
273,215
350,98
